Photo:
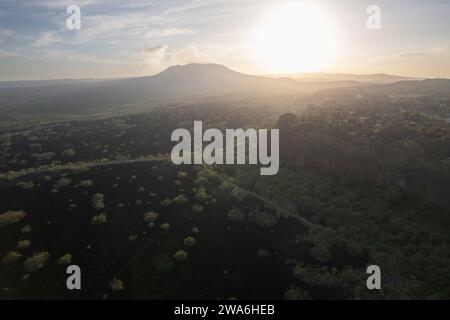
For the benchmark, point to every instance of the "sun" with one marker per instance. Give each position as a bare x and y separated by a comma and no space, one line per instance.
295,38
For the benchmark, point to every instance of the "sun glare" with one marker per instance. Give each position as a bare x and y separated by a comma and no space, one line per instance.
295,38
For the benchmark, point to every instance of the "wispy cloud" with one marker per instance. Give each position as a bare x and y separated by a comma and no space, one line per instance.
159,57
8,54
441,50
168,32
45,39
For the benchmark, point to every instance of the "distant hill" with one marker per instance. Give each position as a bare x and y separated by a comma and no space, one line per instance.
43,83
177,82
429,87
56,99
416,88
377,78
200,79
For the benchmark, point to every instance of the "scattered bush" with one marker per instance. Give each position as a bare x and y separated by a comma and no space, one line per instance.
11,257
181,199
201,194
320,253
296,293
151,216
86,183
99,219
182,174
116,285
68,152
263,219
36,262
65,259
197,208
62,183
166,203
141,190
11,217
97,201
263,253
190,242
238,193
164,226
26,229
180,256
23,244
236,214
25,185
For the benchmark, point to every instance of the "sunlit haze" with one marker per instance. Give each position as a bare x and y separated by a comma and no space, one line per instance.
124,39
296,38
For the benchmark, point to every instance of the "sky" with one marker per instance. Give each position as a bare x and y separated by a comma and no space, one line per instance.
139,38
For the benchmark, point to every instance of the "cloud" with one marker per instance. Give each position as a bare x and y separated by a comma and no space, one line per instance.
130,26
7,32
8,54
155,57
159,57
45,39
60,4
442,50
168,32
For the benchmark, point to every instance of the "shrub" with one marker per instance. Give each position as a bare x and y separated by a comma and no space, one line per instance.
201,181
236,214
97,201
151,216
99,219
116,285
26,229
164,226
25,185
320,253
197,208
65,259
63,182
190,242
86,183
263,219
180,256
181,199
68,152
201,194
141,190
166,203
238,193
36,262
296,293
43,156
195,230
182,174
11,217
11,257
23,244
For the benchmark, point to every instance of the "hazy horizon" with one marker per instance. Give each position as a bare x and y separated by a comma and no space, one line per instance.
295,76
